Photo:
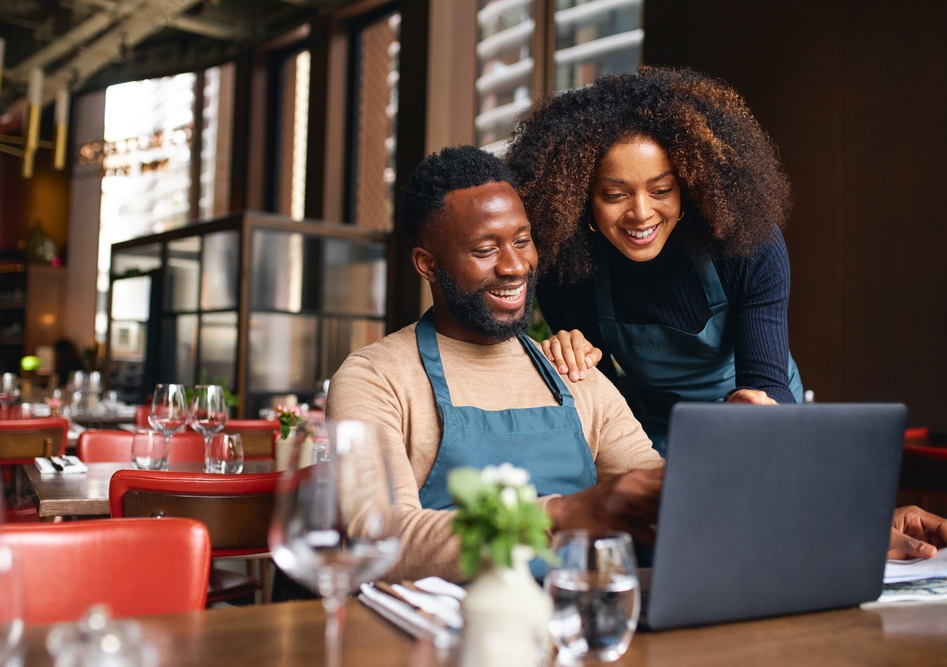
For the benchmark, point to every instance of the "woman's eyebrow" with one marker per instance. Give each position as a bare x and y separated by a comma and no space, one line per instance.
621,181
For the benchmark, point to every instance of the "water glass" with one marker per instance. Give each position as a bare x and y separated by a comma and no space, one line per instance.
224,454
596,594
149,450
11,610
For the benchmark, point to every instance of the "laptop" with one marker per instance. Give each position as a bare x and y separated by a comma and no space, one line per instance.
768,511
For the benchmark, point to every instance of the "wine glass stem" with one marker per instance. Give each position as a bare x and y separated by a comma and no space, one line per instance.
335,616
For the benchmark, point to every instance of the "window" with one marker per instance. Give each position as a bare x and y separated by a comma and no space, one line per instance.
374,113
145,160
292,136
518,61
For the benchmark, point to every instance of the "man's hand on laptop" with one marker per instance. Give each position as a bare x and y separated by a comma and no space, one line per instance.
623,502
916,533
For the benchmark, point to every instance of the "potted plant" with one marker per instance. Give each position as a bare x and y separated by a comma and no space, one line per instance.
501,528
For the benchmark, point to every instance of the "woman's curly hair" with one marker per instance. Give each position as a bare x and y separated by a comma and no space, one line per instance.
734,191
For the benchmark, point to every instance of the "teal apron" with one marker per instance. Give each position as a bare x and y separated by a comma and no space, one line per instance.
665,365
546,441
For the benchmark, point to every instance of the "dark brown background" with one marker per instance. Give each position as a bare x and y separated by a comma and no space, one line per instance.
854,92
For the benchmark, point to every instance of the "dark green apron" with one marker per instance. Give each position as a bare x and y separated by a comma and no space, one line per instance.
665,365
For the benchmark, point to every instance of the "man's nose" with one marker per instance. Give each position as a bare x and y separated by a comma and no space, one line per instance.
512,262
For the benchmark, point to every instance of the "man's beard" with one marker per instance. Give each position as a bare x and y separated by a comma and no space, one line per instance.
471,310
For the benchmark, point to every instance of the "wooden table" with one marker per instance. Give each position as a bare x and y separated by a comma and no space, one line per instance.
87,494
291,634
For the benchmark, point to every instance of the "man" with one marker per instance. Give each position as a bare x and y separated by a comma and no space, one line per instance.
461,388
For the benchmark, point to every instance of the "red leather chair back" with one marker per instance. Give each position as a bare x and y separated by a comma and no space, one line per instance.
141,416
136,566
258,436
235,508
21,440
102,445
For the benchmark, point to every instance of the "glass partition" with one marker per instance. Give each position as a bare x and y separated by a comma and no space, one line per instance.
183,274
313,293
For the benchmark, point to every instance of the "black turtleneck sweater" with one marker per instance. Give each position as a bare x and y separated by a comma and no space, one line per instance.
667,291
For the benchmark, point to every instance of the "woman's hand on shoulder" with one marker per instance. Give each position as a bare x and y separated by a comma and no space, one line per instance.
571,353
754,396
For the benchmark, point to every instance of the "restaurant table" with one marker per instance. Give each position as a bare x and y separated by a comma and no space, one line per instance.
87,494
291,633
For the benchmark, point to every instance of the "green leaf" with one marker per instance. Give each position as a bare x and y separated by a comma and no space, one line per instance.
466,486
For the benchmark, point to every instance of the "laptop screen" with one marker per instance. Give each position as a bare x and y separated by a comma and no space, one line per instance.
773,510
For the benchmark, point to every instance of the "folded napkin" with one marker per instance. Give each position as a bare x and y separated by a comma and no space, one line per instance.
406,617
70,465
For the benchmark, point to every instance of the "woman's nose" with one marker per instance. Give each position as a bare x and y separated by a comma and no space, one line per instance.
640,209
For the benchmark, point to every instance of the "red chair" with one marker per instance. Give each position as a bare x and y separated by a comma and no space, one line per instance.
235,508
136,566
103,445
22,440
141,416
257,435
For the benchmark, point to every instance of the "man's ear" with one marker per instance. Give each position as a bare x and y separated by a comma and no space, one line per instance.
424,263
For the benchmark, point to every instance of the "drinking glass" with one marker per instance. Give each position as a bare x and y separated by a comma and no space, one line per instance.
9,390
149,450
225,454
207,415
168,409
596,595
11,610
334,524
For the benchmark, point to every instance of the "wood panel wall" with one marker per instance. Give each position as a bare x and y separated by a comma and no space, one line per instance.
854,92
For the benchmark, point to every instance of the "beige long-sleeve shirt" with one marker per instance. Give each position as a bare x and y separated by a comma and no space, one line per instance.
385,383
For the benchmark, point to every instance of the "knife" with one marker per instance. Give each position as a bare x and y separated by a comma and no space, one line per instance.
52,462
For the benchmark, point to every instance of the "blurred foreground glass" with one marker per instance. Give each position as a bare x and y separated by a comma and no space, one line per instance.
149,450
11,610
168,409
596,595
334,524
225,454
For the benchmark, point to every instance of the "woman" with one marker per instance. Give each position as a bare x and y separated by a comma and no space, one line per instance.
656,202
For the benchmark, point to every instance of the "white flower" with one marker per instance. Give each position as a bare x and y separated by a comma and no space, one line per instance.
490,475
509,497
510,476
527,494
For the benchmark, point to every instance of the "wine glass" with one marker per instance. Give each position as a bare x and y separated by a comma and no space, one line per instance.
168,409
596,594
226,454
9,390
334,523
207,416
149,450
11,609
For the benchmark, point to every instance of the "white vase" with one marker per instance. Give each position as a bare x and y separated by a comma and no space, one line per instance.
506,617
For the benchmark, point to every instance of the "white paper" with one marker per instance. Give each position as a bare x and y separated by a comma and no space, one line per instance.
917,568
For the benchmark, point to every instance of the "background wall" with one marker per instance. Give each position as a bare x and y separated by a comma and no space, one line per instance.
854,93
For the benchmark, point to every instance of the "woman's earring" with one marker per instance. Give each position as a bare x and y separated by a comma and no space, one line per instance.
681,215
593,227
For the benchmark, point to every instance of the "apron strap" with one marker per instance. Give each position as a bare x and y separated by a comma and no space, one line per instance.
431,356
713,288
548,374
